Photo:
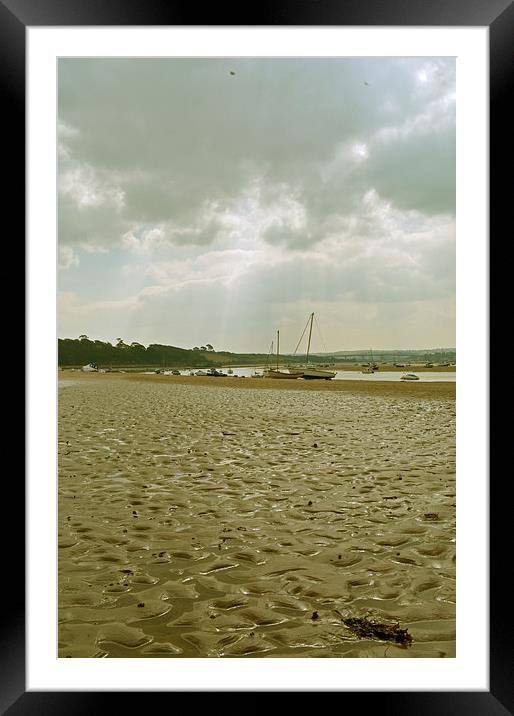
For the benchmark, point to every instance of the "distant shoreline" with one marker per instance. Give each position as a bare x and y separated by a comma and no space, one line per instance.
418,367
400,389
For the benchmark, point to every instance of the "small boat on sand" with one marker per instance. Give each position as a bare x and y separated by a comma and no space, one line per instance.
216,373
371,366
90,368
310,372
276,372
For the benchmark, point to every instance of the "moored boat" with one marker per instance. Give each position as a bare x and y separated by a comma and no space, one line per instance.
277,372
316,373
274,373
371,367
90,368
310,372
216,373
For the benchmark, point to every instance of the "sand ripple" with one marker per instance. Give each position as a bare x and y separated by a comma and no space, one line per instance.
215,522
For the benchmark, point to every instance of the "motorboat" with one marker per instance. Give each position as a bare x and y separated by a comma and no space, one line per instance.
216,373
90,368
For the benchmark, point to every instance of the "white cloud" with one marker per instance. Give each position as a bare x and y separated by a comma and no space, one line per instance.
67,258
212,266
87,188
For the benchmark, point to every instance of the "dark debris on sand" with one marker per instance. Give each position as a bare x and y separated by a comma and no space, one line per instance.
364,627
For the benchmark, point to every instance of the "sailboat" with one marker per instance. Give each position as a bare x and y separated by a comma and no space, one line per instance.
311,372
370,368
276,372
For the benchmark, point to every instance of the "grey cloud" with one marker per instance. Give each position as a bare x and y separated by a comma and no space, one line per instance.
176,160
245,315
418,173
96,226
180,131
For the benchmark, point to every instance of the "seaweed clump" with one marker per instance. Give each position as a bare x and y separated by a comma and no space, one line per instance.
364,627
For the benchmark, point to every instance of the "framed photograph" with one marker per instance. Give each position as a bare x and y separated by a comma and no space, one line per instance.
256,246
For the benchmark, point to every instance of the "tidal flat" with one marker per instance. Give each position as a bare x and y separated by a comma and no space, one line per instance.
236,518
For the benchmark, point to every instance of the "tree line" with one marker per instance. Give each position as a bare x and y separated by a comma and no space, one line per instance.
75,352
83,350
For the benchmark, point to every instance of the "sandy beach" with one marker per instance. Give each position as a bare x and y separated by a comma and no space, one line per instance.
223,517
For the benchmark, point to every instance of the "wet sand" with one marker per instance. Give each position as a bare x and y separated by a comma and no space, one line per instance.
400,389
215,517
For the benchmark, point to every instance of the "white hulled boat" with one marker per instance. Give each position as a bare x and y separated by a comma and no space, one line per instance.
372,366
310,372
276,372
90,368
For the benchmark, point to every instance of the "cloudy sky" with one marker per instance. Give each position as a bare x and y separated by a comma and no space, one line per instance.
218,200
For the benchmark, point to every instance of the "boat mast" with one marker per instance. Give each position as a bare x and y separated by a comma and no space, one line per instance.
270,354
278,339
309,343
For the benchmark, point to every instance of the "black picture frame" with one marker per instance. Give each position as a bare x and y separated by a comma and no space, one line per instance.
498,16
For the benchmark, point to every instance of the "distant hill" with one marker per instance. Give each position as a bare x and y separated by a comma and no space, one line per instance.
396,351
387,356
